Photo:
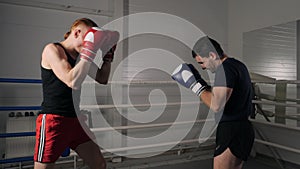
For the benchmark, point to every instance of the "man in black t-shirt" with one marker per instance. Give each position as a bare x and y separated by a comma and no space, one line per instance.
230,97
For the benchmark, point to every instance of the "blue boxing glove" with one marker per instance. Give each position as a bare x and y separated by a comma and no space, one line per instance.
187,75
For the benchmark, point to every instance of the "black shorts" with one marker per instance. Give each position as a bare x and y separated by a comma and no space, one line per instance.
238,136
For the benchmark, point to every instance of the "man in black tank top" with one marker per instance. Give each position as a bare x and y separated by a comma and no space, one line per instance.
64,66
57,96
230,98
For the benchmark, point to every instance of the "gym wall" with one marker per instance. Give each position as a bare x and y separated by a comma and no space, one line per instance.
27,28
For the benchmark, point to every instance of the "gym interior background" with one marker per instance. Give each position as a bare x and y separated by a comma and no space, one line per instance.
264,34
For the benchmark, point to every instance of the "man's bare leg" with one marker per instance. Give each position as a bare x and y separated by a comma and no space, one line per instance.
227,160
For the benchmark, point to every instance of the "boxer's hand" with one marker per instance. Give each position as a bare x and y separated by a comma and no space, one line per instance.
109,56
93,40
186,75
111,40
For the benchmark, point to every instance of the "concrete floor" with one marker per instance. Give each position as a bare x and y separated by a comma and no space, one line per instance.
198,160
259,162
202,161
208,164
198,164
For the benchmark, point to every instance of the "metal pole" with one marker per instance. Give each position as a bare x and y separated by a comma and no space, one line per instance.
298,64
280,97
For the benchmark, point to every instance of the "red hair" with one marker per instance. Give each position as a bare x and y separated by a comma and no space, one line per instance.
84,21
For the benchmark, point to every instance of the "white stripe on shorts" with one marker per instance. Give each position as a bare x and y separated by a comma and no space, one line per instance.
42,139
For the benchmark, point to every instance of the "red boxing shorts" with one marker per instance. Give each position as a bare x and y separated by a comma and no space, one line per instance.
54,133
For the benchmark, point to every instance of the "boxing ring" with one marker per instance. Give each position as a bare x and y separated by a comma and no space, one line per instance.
185,144
265,123
19,108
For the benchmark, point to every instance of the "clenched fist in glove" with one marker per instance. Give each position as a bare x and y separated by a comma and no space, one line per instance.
109,56
110,42
187,75
95,39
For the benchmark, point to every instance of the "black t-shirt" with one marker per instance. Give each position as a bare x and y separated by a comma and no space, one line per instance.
234,74
58,98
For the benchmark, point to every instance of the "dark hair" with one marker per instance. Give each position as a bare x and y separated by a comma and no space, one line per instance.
85,21
205,45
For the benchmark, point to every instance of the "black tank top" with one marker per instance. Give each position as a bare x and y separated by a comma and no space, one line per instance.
58,98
